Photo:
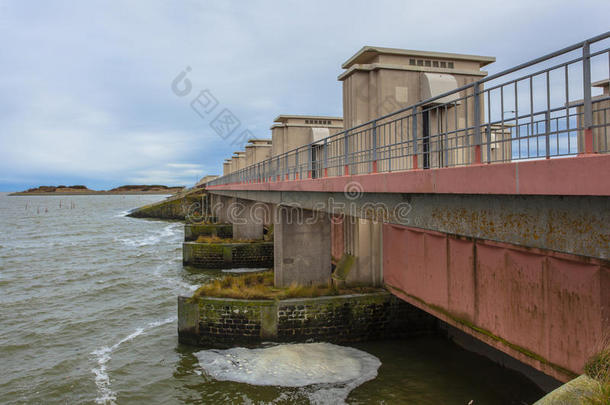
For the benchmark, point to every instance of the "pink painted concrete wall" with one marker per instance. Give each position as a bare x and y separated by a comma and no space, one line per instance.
549,310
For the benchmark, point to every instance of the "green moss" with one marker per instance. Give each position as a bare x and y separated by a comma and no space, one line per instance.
260,286
343,267
598,366
175,207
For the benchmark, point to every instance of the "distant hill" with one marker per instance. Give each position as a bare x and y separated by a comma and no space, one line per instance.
83,190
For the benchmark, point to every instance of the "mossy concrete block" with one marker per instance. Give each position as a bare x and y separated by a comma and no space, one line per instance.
228,255
225,322
269,321
571,393
188,321
193,231
343,268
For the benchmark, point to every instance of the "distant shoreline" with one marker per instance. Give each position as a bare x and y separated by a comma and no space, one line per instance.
72,193
130,189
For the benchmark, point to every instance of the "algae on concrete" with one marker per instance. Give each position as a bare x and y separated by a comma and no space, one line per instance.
178,206
574,392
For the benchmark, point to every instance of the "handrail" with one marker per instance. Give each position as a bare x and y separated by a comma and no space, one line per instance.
368,132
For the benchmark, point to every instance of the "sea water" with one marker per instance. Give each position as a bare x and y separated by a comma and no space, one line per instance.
88,315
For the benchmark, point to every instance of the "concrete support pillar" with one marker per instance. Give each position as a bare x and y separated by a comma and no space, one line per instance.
363,240
302,247
337,237
247,220
220,208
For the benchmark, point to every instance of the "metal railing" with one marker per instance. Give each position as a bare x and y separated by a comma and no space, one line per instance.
540,109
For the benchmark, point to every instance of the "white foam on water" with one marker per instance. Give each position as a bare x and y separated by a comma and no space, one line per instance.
239,271
326,372
163,234
103,355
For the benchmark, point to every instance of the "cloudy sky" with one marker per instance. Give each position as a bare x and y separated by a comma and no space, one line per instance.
86,86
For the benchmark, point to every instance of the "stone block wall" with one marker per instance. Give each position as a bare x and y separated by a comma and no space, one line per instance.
350,318
221,322
228,255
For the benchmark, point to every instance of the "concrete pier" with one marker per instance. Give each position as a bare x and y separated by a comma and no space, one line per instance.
301,247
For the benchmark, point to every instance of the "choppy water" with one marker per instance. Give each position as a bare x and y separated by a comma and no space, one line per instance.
88,315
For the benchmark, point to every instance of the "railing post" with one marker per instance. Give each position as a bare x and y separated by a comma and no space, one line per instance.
587,110
296,164
414,136
346,154
477,125
309,161
325,157
374,146
488,134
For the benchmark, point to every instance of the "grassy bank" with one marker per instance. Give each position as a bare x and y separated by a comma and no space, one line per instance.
598,368
260,286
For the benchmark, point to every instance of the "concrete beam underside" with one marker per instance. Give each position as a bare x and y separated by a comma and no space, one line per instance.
570,224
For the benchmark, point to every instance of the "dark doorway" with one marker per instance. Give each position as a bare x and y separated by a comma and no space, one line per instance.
426,138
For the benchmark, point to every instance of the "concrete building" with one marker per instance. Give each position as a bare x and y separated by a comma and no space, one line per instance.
257,150
239,161
378,81
205,180
601,118
292,131
226,167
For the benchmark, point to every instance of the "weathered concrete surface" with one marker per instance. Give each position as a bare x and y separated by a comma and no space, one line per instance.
177,207
301,247
193,231
571,393
571,224
247,225
222,322
544,308
364,241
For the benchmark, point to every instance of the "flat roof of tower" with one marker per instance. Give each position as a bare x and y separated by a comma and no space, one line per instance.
259,140
286,117
367,53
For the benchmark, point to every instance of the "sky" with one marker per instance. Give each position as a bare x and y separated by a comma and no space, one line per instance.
87,92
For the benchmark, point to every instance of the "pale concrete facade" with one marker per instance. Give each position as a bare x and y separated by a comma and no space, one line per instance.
226,167
205,180
257,150
601,118
379,81
292,131
302,247
363,239
239,161
246,223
